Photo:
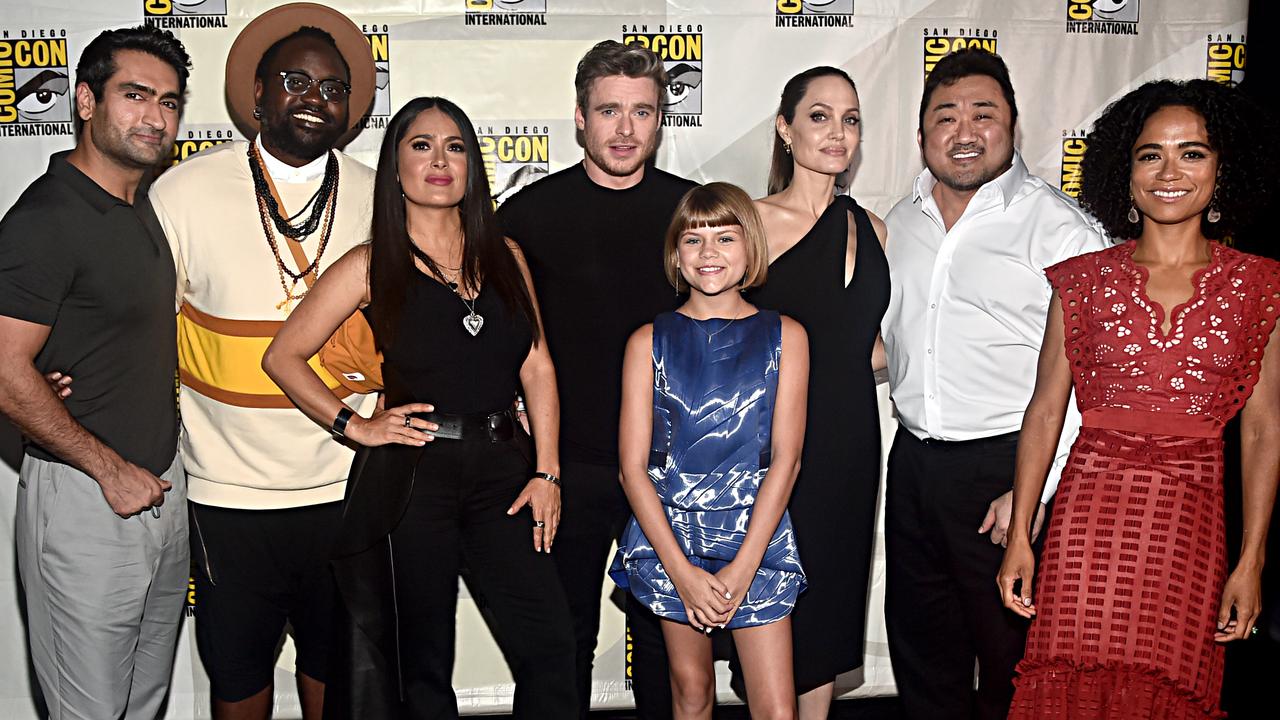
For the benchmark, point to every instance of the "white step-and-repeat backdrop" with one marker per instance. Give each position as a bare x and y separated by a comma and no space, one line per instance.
510,64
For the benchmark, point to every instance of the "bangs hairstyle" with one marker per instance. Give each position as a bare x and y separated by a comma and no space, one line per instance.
718,204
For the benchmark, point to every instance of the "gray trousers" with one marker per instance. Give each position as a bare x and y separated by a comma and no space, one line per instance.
104,594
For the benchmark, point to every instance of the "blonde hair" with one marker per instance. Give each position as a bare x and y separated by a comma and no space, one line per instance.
718,204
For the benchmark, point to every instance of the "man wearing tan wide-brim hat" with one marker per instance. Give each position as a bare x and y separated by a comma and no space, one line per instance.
251,225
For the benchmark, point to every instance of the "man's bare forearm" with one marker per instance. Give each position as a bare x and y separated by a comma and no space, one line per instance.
32,406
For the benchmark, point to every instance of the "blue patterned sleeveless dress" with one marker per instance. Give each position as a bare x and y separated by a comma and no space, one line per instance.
713,403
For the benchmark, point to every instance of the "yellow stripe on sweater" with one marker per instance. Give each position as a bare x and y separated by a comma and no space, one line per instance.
224,359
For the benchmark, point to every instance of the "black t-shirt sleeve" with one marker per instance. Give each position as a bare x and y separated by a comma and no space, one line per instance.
36,269
510,218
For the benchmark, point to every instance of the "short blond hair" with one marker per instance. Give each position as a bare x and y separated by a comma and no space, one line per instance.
718,204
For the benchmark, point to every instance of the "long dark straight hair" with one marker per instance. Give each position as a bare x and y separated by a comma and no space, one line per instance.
780,167
485,255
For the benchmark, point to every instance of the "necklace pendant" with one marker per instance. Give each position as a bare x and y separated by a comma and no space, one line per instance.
473,323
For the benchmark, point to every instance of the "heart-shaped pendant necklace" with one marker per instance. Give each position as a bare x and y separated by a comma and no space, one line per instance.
473,320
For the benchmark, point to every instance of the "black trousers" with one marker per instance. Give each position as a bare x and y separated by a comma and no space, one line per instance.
942,607
594,510
458,513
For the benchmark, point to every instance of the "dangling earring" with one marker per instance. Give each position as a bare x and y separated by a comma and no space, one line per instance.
257,112
786,147
1133,215
1213,215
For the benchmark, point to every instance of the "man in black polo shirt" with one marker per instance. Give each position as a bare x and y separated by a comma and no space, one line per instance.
593,237
86,287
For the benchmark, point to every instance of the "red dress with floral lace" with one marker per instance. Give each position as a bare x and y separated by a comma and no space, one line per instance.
1135,557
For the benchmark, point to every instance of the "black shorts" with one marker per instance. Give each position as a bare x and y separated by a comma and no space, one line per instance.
255,571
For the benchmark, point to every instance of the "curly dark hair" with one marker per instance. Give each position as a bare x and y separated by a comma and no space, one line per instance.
1238,130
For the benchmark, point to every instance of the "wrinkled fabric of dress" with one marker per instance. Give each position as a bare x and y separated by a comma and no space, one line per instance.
714,385
1134,560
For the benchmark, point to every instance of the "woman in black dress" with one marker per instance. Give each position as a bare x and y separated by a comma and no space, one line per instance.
827,270
453,311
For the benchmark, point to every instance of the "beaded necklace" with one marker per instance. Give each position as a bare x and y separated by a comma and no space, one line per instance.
322,204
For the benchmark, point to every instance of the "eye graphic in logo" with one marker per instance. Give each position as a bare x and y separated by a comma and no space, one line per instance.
522,176
42,97
684,89
199,7
828,7
520,5
1119,10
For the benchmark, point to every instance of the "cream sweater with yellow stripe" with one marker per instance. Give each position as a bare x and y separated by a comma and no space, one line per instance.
244,445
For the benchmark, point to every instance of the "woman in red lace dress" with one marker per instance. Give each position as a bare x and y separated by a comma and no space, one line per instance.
1133,602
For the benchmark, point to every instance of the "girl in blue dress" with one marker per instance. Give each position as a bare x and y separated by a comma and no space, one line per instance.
713,414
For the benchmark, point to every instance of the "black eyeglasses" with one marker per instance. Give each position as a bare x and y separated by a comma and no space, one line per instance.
298,83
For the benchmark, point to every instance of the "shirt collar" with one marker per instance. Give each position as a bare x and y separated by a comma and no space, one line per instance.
1007,184
281,171
84,186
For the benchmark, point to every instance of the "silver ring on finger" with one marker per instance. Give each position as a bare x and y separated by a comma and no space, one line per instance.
539,525
408,421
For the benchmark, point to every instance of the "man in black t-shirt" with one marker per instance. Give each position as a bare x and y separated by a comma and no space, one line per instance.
86,287
593,236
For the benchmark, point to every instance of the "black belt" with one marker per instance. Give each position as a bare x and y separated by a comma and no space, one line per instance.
992,439
493,427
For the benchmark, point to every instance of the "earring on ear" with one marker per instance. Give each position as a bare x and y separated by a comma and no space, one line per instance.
786,147
257,112
1213,215
1133,216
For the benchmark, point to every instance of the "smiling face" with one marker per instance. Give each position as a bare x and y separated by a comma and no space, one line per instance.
826,130
1174,168
712,259
967,133
301,128
619,126
432,161
136,120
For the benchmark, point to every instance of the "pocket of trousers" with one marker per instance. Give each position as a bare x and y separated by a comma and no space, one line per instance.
199,551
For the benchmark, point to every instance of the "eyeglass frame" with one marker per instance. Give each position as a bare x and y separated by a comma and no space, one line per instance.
313,82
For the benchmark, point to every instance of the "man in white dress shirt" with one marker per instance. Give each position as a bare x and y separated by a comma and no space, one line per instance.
963,333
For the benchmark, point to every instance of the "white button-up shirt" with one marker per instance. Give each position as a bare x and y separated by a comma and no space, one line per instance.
283,172
968,308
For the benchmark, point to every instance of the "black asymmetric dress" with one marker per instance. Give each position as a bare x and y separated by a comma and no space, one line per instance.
833,504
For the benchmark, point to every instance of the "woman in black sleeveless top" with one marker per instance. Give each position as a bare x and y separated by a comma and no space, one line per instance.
449,477
828,271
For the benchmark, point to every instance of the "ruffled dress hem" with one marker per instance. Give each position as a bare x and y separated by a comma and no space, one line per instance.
1063,690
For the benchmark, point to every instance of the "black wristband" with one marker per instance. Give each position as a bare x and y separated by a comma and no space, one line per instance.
554,480
339,426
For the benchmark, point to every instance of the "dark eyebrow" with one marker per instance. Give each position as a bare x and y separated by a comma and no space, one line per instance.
429,136
943,106
139,87
1183,145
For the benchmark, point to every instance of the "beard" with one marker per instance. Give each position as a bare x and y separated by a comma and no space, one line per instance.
117,145
599,154
281,133
971,179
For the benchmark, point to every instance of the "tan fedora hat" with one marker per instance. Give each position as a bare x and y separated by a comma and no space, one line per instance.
276,23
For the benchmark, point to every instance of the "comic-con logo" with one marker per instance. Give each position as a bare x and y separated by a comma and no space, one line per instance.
813,13
514,155
35,83
195,138
1073,147
680,47
1224,59
379,39
941,42
185,14
506,12
1102,17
